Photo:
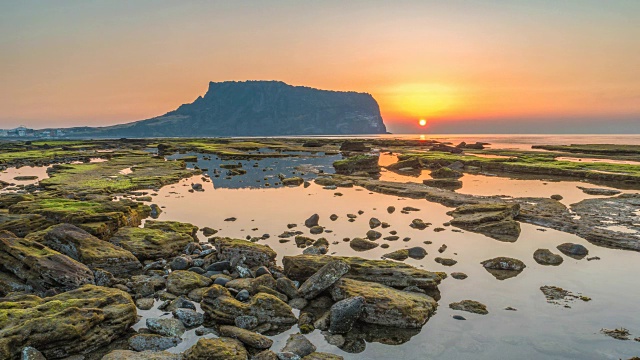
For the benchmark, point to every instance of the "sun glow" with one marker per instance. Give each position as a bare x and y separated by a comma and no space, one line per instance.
422,122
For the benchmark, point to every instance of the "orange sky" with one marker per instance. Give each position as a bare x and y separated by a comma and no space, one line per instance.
455,63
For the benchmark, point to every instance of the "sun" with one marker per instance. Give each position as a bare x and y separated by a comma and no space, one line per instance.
422,122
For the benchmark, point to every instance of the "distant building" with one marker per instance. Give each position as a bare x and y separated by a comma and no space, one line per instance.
21,131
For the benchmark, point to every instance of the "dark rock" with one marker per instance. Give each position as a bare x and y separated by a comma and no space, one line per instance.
546,257
312,221
299,345
153,342
323,279
470,306
344,314
575,251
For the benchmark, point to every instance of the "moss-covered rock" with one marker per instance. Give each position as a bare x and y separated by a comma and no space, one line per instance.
495,220
221,307
181,282
39,266
358,163
23,224
87,249
142,355
73,322
247,337
445,173
385,272
173,226
150,244
293,181
217,349
470,306
254,254
385,305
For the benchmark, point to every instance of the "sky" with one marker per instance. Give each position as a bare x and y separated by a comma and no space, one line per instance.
465,66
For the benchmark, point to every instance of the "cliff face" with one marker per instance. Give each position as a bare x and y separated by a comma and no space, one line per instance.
262,108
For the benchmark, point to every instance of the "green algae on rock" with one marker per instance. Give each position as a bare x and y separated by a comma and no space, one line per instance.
494,220
222,348
74,322
181,282
358,163
254,254
150,244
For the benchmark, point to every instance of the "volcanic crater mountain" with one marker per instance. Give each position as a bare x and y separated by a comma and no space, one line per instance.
258,108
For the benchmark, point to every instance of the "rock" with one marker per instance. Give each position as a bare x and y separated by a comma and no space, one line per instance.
181,282
189,317
254,254
316,230
458,317
173,226
354,146
445,261
219,266
293,181
503,267
247,337
385,272
374,223
299,345
385,305
312,221
445,172
398,255
143,285
81,246
142,342
246,322
450,183
470,306
417,252
575,251
216,349
29,353
243,295
459,275
73,322
253,285
144,355
150,243
344,314
418,224
287,287
360,244
373,235
323,279
144,303
265,355
546,257
322,356
557,197
358,163
180,263
495,220
40,267
207,231
220,306
166,327
599,191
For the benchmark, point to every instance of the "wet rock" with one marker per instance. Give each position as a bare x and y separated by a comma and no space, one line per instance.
442,248
189,317
316,230
503,267
243,295
207,231
559,296
166,327
69,323
246,322
299,345
322,356
445,261
417,252
144,285
599,191
386,272
265,355
418,224
398,255
495,220
546,257
458,317
618,333
373,235
85,248
445,173
312,221
173,226
181,282
385,305
219,266
344,314
216,349
575,251
470,306
40,267
374,223
360,244
391,209
333,217
30,353
180,263
254,254
293,181
557,197
247,337
150,244
287,287
458,275
144,303
153,342
450,183
358,163
323,279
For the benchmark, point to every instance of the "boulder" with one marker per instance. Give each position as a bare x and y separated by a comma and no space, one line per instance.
503,267
470,306
150,243
398,255
216,349
546,257
386,306
254,254
390,273
81,246
247,337
360,244
358,163
575,251
298,345
77,321
495,220
445,173
345,313
40,267
143,355
142,342
326,276
181,282
166,327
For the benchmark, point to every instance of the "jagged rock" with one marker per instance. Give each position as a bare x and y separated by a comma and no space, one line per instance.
254,254
495,220
76,321
247,337
181,282
220,306
144,285
83,247
385,305
374,223
287,287
153,342
503,267
150,243
326,276
39,266
385,272
354,146
546,257
470,306
216,349
398,255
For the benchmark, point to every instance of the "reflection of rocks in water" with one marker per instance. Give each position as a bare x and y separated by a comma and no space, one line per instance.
559,296
362,333
503,267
